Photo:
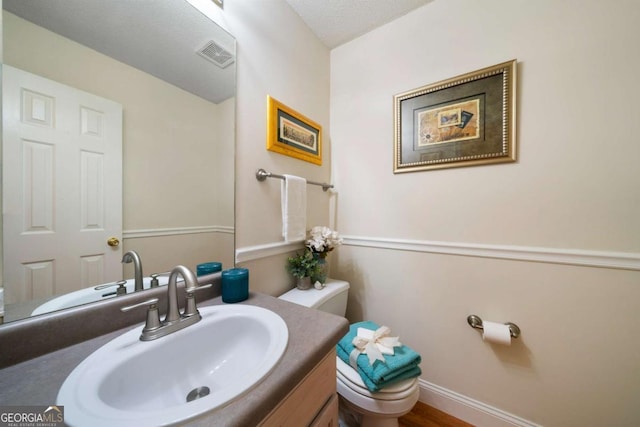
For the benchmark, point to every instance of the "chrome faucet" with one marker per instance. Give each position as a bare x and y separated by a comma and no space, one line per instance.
132,256
190,282
174,320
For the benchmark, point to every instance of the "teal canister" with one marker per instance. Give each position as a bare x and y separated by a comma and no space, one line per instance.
208,268
235,285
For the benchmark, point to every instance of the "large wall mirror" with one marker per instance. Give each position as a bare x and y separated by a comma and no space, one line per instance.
155,80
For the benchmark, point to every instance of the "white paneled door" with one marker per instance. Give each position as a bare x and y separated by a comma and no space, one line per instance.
62,187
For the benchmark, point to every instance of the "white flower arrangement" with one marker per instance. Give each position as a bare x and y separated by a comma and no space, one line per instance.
323,240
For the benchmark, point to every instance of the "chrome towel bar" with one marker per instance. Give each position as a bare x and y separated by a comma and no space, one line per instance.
262,174
476,322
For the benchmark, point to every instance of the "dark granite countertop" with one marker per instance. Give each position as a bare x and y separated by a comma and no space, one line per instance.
312,334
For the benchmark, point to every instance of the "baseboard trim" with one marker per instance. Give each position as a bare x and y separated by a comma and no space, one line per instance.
466,409
157,232
602,259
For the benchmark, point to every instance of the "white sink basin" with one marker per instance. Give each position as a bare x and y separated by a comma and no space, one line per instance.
128,382
90,294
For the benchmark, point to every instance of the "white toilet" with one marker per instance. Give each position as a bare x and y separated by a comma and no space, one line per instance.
379,409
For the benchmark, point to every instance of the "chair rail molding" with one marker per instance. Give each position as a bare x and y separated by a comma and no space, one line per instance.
579,257
156,232
603,259
250,253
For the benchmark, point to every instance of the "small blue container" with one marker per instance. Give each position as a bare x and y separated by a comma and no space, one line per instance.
208,268
235,285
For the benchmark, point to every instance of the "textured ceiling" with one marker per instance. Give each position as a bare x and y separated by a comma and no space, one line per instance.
163,43
161,40
338,21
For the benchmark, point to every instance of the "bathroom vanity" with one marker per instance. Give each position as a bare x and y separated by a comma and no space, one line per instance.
300,390
313,402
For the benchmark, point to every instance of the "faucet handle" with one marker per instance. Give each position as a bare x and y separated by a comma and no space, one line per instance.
122,290
149,302
197,288
153,316
154,280
190,308
108,285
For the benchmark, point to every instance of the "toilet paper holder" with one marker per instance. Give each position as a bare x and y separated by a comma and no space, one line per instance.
476,322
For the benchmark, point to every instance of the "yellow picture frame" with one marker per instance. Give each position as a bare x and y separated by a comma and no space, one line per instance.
293,134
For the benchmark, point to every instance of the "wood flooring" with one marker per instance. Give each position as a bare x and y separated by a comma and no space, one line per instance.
423,415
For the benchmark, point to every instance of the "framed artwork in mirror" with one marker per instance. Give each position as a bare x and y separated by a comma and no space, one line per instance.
467,120
292,134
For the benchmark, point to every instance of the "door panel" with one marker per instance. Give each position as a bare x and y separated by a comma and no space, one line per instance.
62,155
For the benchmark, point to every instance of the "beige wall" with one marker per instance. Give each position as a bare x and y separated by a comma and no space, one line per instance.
573,190
221,172
278,56
571,198
170,138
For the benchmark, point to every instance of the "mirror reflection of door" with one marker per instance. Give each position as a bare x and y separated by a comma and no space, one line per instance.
62,148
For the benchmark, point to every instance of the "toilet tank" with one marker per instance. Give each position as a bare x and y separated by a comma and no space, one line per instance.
331,299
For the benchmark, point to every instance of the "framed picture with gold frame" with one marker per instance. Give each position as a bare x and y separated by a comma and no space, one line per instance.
463,121
292,134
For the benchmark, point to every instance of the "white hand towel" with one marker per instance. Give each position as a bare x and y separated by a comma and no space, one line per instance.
294,208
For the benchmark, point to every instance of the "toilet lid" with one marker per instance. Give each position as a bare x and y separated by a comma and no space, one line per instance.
351,378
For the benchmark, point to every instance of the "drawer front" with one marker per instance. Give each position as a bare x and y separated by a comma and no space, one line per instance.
303,404
328,417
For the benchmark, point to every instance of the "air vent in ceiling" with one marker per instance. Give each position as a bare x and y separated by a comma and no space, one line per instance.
213,52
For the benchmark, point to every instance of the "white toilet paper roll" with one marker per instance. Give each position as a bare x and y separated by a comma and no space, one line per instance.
496,333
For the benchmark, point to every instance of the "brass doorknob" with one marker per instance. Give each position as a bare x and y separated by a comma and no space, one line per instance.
113,242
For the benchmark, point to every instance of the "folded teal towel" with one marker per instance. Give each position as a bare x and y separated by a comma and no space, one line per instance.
410,371
402,365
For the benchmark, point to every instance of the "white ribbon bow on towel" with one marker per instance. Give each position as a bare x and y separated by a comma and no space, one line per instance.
374,344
